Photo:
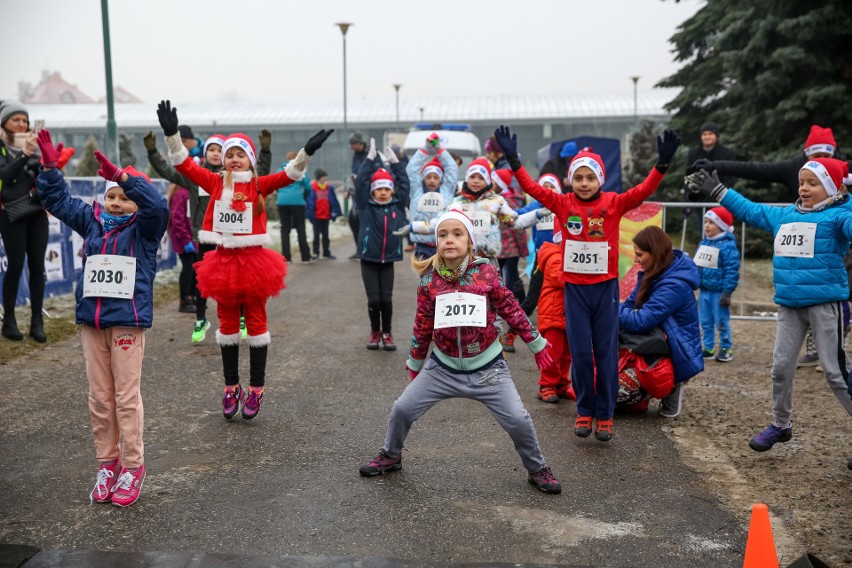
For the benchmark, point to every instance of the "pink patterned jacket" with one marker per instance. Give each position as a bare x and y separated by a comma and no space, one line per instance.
468,348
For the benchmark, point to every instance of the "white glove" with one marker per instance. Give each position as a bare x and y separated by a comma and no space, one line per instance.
371,155
390,156
383,158
543,212
402,231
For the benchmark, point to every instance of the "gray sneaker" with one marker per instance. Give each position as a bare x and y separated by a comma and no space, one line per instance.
810,358
671,405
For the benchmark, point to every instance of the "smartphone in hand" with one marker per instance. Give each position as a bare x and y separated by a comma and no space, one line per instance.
38,125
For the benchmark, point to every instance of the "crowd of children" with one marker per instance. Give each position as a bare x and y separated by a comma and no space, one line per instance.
470,305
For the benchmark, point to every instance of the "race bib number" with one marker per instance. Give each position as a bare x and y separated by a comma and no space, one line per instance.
109,276
796,239
431,202
459,309
707,257
481,221
226,220
545,223
583,257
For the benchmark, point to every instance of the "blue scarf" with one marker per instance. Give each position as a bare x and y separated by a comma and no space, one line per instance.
110,221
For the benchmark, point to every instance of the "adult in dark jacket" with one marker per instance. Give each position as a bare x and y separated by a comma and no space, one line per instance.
558,165
26,237
359,155
664,296
819,144
710,149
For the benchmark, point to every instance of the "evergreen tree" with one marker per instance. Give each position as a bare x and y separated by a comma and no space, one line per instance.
126,157
88,165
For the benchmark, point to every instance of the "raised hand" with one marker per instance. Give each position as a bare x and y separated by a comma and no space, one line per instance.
390,156
168,117
265,139
666,147
49,153
108,170
705,183
315,142
507,141
150,142
371,153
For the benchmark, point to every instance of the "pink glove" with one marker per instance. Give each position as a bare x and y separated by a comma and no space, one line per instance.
49,153
411,374
108,170
543,358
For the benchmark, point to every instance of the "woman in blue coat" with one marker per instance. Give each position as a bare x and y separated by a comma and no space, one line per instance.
665,296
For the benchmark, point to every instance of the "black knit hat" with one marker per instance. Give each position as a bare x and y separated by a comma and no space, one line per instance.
356,138
185,132
711,126
320,173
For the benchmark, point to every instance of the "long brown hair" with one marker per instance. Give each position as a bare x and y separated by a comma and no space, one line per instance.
658,244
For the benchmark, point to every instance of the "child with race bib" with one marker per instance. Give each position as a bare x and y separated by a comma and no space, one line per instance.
433,186
240,273
114,307
590,219
718,262
811,238
457,301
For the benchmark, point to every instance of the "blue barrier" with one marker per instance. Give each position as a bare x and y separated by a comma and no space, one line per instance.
63,261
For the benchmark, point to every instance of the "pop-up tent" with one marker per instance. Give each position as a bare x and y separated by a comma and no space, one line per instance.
608,148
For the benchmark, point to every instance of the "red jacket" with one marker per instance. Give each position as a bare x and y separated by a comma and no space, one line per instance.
593,221
551,302
322,206
468,348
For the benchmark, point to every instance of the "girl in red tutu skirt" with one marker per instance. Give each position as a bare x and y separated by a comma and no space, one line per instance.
240,272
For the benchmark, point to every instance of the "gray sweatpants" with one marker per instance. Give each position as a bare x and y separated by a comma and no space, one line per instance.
826,323
492,387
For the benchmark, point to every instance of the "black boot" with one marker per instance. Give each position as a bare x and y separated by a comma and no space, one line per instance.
257,368
231,364
10,327
37,328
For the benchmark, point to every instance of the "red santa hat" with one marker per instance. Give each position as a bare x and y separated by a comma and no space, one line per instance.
830,172
552,180
382,178
129,170
820,140
590,160
214,139
433,167
458,216
502,178
242,141
722,217
479,166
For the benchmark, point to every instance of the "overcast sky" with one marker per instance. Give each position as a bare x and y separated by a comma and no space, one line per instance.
266,50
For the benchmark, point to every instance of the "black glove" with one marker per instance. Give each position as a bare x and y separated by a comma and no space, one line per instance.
315,142
725,300
265,139
150,142
703,164
168,117
666,147
706,184
509,143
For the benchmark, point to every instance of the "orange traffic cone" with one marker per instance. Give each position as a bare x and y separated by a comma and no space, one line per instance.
760,547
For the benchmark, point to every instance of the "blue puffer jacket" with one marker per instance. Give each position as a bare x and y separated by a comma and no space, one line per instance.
671,305
726,276
296,193
376,241
139,238
446,191
800,281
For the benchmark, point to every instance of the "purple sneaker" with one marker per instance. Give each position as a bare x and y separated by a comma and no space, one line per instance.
772,434
381,464
253,402
231,401
543,479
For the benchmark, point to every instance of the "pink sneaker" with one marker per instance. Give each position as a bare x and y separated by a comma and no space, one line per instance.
231,401
373,342
105,482
253,402
128,486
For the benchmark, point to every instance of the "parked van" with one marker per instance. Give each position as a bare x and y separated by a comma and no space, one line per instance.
456,138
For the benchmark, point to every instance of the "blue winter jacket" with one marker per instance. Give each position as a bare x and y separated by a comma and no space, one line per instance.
539,237
376,241
447,190
671,305
296,193
725,277
139,238
801,281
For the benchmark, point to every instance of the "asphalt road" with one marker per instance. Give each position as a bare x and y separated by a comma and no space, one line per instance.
286,485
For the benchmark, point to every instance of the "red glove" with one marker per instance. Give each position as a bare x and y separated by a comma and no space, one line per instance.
49,153
64,155
543,358
108,170
411,373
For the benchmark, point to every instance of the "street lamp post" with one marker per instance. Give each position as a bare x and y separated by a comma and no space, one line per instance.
344,27
635,80
421,113
112,130
396,87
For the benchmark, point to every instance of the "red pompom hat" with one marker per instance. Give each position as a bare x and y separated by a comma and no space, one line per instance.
722,217
433,167
592,161
551,179
214,139
831,173
502,178
820,140
382,178
243,141
479,166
